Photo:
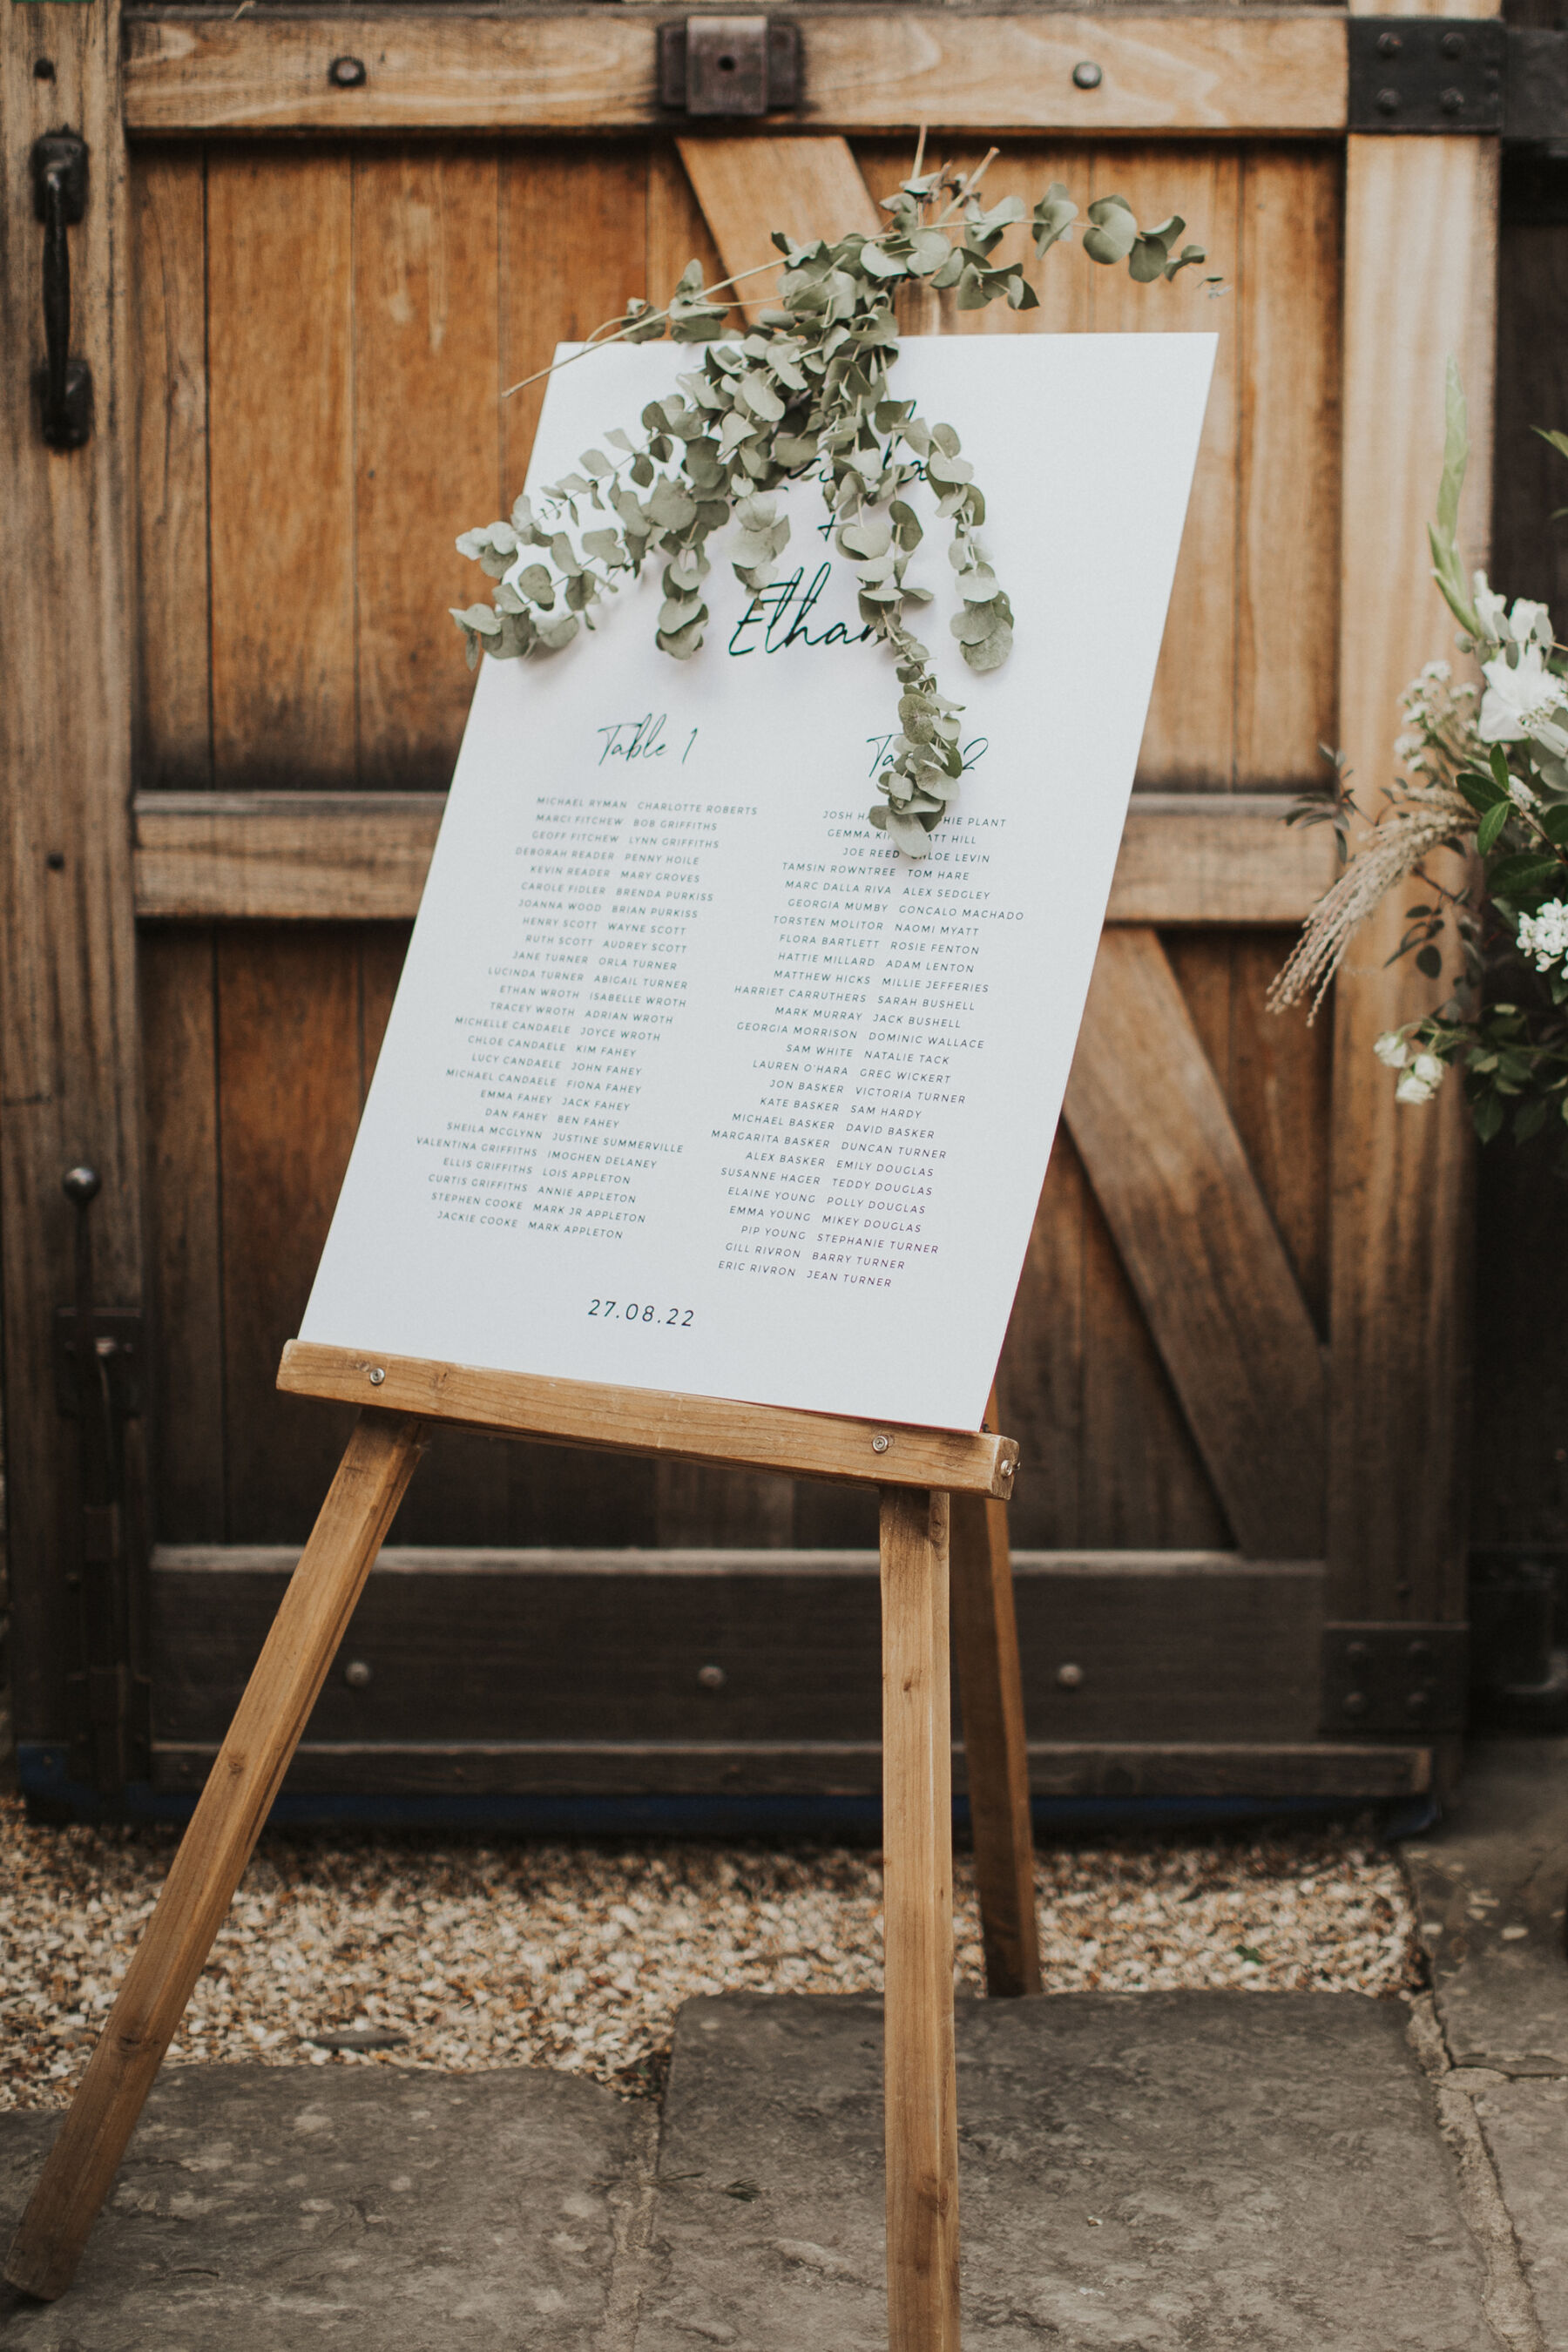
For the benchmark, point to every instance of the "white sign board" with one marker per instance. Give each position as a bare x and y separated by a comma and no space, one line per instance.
692,1082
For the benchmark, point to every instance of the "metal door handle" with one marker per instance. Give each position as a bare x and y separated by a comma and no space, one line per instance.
59,199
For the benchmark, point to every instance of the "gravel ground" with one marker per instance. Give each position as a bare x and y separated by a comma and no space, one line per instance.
578,1956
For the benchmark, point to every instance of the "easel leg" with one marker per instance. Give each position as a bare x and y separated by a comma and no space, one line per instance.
283,1688
996,1751
917,1909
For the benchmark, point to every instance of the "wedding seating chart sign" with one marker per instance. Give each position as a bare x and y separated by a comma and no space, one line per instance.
693,1081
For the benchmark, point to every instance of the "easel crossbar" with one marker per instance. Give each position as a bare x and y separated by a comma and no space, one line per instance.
655,1422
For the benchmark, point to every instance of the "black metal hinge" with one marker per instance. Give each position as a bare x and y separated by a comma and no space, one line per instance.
1398,1678
730,66
1472,75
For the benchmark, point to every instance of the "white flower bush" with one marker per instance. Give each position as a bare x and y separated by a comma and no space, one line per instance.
1543,936
1486,772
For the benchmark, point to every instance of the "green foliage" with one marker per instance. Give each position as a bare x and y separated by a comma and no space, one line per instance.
1447,568
804,391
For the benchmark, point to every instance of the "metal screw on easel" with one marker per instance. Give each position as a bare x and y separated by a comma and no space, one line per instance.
880,1444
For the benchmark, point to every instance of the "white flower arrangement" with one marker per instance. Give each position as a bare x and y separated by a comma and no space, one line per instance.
1485,773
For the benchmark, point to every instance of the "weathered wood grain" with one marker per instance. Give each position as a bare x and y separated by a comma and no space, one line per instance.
1194,859
749,188
426,379
1277,1076
1039,1381
655,1422
572,248
1399,1177
919,2085
678,230
1141,1480
1189,739
174,714
282,855
184,1249
1161,1152
289,1100
69,1082
83,2161
280,464
1288,520
471,1647
1063,1768
1213,858
867,69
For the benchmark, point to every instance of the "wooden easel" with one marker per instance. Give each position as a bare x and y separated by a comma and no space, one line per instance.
938,1488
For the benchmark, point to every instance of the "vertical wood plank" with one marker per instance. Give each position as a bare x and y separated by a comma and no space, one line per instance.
1289,466
916,1911
184,1231
317,1605
746,188
426,444
1189,741
173,713
69,1082
1415,291
1039,1382
288,1063
676,232
573,247
280,296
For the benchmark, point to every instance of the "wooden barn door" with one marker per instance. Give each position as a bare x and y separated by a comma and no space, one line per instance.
232,702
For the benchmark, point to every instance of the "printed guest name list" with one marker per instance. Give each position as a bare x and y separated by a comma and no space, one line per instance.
860,1026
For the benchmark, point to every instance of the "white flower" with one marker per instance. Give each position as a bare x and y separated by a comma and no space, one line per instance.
1392,1050
1529,624
1490,609
1436,673
1421,1080
1543,936
1520,695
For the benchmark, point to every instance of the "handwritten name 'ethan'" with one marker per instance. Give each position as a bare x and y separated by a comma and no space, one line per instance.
782,615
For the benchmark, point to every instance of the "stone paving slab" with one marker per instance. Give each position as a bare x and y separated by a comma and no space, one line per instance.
1491,1883
288,2209
1173,2172
1526,2128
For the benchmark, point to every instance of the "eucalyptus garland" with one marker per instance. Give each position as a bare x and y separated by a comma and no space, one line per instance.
805,391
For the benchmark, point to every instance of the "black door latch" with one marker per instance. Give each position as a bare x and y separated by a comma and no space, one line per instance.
60,200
